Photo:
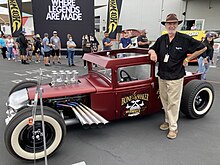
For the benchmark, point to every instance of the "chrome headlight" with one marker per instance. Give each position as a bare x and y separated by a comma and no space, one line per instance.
15,101
18,99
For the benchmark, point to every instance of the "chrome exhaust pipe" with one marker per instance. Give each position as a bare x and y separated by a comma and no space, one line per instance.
84,123
82,113
69,122
93,118
96,115
86,116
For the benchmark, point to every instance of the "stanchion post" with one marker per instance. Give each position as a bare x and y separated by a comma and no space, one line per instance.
38,95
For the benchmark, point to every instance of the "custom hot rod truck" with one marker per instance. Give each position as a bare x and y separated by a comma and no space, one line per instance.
123,84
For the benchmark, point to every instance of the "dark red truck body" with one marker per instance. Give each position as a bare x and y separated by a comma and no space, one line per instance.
111,98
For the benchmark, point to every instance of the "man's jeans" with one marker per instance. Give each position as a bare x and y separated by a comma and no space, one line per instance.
71,57
203,68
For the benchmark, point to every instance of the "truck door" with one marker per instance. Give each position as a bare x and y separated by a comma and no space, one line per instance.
133,92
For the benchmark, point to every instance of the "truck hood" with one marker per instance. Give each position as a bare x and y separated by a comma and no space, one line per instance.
84,87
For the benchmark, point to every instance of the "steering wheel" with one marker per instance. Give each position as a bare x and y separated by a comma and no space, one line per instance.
126,78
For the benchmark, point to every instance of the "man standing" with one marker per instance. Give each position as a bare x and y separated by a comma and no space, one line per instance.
86,46
3,46
56,45
107,44
171,50
10,44
47,49
23,44
142,40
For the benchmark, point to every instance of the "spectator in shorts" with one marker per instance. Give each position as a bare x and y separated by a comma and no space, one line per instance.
17,46
23,44
47,49
29,50
37,48
56,46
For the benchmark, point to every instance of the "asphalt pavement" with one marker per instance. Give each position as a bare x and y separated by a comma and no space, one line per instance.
135,141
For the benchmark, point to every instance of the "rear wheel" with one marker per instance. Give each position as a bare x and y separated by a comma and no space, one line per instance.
197,99
19,135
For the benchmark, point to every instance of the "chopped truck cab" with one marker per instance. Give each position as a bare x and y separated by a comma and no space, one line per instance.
122,84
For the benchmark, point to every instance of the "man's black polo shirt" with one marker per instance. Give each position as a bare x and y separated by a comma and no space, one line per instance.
143,39
177,50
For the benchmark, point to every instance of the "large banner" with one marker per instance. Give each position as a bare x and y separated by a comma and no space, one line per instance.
15,14
75,17
114,10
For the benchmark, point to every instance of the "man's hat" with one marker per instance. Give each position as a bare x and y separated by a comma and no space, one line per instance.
171,18
54,32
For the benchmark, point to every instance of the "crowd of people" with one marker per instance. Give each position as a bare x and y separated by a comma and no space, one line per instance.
23,48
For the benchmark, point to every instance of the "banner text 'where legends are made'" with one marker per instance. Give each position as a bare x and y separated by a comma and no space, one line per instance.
64,10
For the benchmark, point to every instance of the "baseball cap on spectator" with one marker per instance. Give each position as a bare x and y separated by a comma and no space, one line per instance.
45,34
54,32
37,36
209,35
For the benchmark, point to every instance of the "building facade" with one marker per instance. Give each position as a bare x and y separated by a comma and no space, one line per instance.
147,14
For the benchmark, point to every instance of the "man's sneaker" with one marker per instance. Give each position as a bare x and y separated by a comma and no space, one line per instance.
164,126
59,62
9,59
172,134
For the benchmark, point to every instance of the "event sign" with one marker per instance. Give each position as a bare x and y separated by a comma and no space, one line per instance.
75,17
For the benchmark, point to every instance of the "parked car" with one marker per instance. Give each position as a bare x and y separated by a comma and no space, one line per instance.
123,85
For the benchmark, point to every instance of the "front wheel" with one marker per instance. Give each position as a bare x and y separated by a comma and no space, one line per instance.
22,85
19,135
197,99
